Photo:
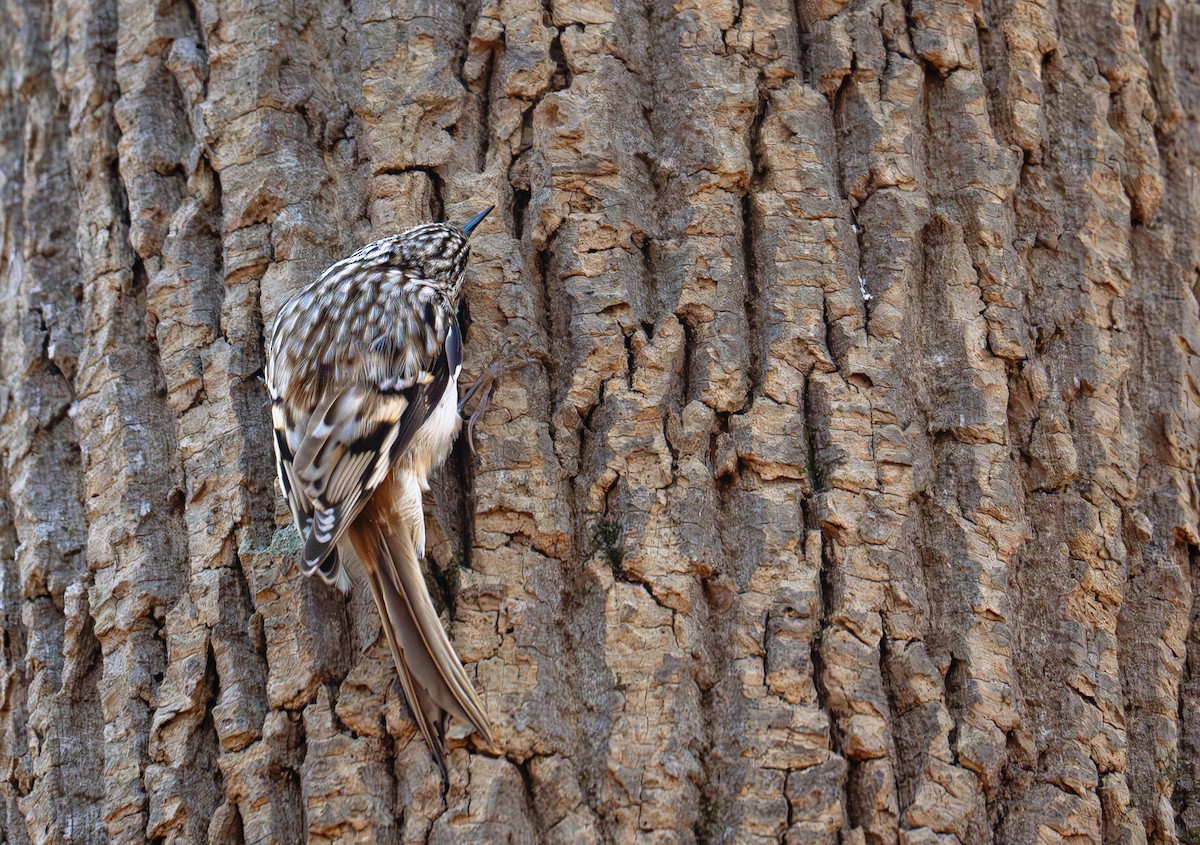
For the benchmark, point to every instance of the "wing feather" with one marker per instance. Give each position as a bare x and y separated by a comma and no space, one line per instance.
344,452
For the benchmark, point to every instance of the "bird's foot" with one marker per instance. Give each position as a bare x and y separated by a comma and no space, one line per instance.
504,363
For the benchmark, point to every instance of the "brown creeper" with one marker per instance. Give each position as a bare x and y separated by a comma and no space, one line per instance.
363,369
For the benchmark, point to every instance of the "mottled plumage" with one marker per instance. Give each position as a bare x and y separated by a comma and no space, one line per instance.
363,369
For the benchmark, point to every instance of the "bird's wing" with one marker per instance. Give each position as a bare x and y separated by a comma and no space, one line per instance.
336,438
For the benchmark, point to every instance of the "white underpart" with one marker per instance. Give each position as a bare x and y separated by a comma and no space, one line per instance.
432,443
429,449
409,505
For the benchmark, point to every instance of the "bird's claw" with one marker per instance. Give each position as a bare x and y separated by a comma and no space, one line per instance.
501,365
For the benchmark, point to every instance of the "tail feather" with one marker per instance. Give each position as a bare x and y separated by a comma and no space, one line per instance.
426,713
431,674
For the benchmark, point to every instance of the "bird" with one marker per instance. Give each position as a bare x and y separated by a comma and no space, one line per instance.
362,372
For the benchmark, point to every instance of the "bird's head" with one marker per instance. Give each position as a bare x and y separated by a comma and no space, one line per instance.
438,252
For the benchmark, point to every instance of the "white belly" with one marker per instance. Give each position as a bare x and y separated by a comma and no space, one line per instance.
433,441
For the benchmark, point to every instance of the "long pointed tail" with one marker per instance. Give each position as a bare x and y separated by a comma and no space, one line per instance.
431,674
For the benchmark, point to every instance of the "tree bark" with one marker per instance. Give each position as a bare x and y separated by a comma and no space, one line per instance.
856,504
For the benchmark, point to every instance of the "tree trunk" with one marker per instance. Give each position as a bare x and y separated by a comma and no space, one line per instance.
856,504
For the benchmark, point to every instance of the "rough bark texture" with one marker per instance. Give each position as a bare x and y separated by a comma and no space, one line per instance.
858,503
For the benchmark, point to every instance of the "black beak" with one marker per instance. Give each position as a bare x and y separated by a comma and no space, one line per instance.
476,220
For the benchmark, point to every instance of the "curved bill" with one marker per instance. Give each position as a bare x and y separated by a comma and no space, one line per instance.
476,220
